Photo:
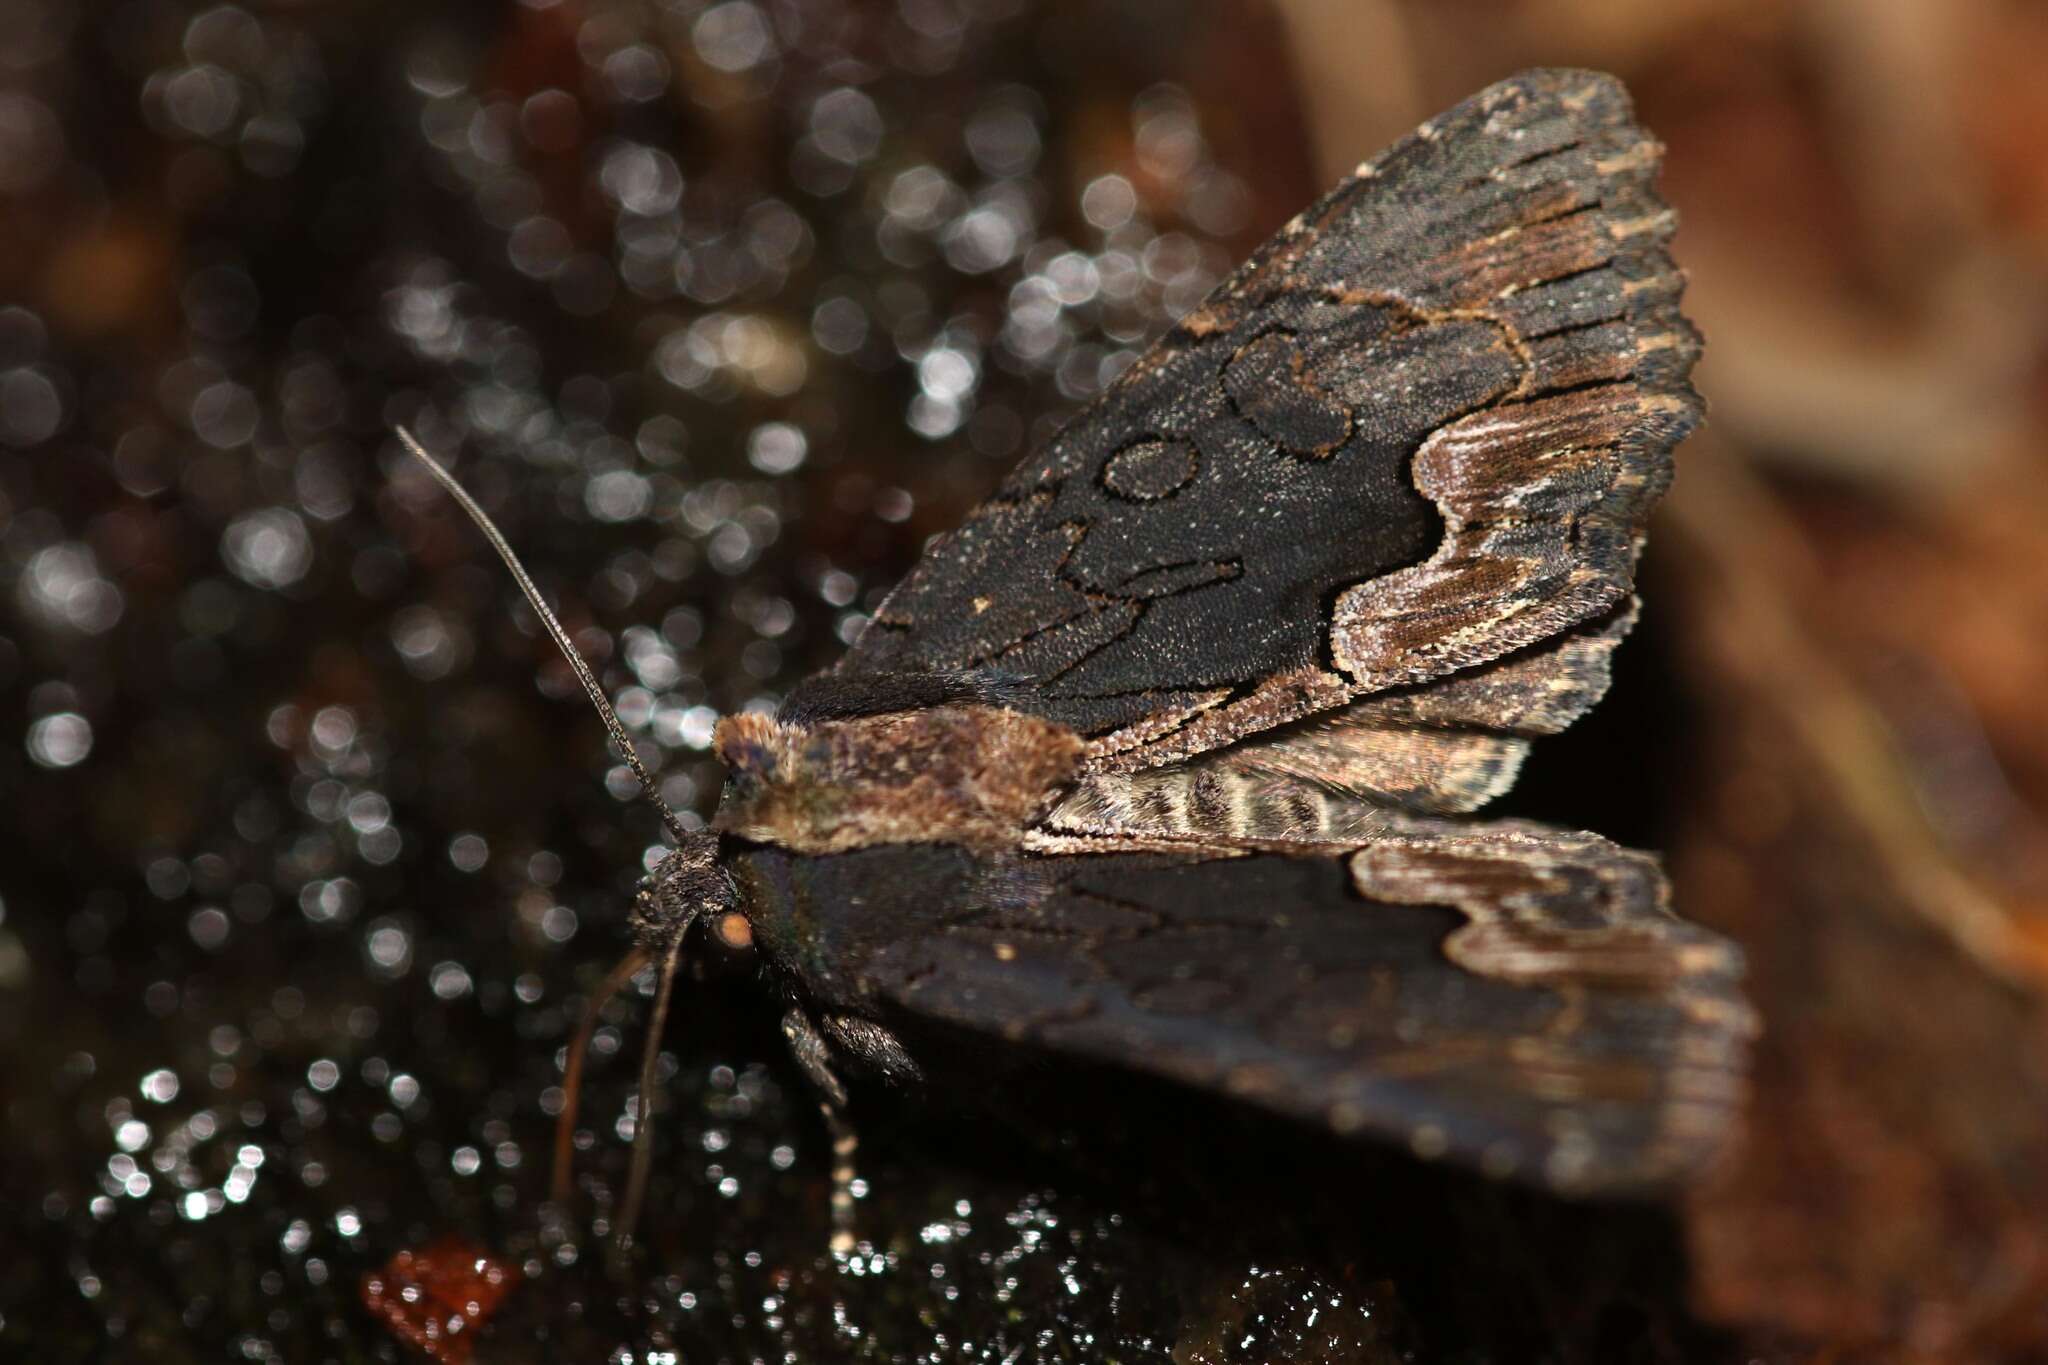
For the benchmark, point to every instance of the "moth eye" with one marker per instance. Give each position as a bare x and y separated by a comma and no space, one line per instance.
734,930
747,759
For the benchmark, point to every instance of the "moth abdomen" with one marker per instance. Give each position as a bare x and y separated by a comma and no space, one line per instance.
1219,797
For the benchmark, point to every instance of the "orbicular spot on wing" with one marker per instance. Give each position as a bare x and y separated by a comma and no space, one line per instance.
1270,384
1149,470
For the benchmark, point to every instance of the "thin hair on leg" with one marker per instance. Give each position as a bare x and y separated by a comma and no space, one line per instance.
845,1142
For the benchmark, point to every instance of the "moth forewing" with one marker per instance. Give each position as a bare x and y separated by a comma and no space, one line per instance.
1420,430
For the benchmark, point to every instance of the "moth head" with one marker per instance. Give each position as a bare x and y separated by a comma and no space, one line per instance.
757,748
686,886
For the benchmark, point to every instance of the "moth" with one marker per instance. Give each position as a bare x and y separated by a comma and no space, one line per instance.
1166,757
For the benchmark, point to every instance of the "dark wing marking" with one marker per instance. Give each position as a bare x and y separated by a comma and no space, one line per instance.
1418,431
846,696
1509,996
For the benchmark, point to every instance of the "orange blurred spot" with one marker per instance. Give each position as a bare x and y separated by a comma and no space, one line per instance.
437,1298
734,931
115,278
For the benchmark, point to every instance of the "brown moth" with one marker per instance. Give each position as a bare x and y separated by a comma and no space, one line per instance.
1165,757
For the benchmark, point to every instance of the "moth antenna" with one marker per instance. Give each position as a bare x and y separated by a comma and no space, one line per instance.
572,1073
643,1126
559,635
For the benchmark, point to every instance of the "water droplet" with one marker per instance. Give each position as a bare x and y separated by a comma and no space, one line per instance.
389,947
201,100
846,125
636,73
60,741
209,927
558,923
450,980
268,548
618,495
31,140
31,408
642,180
1109,202
62,585
469,852
732,37
776,448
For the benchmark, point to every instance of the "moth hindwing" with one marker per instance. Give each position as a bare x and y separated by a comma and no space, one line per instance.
1160,758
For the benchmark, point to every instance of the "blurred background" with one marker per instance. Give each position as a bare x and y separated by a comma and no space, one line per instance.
312,850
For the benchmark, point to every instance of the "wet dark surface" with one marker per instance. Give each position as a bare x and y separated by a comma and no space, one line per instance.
720,309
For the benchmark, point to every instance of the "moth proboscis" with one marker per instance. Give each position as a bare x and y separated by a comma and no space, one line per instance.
1167,756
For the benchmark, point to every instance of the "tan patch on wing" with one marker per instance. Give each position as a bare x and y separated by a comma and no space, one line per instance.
1456,743
1538,691
1473,274
1529,493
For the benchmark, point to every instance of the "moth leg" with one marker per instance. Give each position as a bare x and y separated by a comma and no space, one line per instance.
873,1046
813,1054
572,1071
643,1125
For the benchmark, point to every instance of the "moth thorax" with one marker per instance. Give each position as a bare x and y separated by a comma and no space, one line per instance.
969,774
688,884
